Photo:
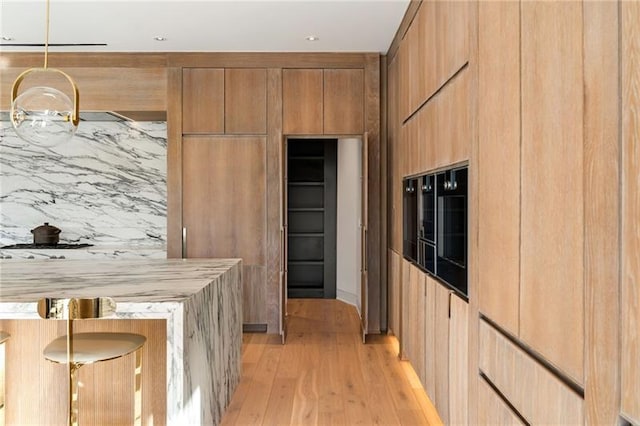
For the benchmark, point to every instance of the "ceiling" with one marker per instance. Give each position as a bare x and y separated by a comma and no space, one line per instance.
203,26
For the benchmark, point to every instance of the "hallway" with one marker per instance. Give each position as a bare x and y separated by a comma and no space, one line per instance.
325,375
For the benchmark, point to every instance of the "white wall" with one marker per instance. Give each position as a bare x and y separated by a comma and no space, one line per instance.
348,222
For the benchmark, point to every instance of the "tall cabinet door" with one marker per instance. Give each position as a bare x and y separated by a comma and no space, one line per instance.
224,210
552,219
499,163
364,222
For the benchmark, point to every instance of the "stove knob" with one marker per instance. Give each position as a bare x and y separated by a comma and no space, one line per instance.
61,257
30,257
8,257
52,257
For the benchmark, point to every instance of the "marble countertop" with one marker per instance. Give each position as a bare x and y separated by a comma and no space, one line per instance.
140,280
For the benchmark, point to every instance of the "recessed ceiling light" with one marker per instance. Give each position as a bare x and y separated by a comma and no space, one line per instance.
7,38
160,38
312,38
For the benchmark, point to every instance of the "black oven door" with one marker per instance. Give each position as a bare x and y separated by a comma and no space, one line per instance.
410,222
451,228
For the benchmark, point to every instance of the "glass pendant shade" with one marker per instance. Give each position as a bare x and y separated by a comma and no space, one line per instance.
43,116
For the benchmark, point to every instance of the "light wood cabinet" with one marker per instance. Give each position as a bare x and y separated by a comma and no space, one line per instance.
302,101
458,361
499,163
452,38
414,56
404,91
453,118
428,79
492,410
405,315
538,395
317,101
393,159
394,291
430,337
223,209
418,335
202,100
441,348
343,101
245,105
552,218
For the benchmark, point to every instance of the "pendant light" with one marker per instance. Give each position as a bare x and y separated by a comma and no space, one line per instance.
44,116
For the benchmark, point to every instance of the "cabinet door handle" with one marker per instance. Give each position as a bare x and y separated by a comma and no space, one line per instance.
184,242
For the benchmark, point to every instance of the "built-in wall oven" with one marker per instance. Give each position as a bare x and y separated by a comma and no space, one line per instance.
440,211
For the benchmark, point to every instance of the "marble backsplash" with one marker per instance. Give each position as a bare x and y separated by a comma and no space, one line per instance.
106,187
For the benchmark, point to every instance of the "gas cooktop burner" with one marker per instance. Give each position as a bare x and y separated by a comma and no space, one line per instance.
47,246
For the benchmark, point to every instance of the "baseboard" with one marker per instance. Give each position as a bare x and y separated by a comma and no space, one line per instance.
350,298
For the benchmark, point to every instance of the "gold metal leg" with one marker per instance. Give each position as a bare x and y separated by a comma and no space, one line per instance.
73,395
137,414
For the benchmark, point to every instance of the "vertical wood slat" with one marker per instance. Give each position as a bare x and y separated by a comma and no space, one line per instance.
473,212
377,262
630,368
203,100
274,142
552,248
174,163
245,101
601,212
499,163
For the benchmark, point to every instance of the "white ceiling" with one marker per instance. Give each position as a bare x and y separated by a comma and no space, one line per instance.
204,26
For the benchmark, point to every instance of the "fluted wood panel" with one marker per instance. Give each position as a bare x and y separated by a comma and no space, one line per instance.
630,367
245,101
36,388
499,163
302,101
552,219
202,100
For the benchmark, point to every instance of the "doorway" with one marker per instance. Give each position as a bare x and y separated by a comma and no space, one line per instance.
311,217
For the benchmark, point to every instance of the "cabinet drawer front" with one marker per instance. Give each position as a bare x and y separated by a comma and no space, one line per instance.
492,410
536,393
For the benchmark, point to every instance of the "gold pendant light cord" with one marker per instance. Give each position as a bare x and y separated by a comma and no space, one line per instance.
46,38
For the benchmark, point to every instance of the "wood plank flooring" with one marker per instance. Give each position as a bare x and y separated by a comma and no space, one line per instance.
324,375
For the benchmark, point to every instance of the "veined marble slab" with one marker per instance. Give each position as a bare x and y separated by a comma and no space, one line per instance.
105,186
200,299
97,253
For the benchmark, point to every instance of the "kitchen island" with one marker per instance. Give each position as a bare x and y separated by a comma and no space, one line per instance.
196,302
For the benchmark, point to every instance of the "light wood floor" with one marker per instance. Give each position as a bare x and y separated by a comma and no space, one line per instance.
324,375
